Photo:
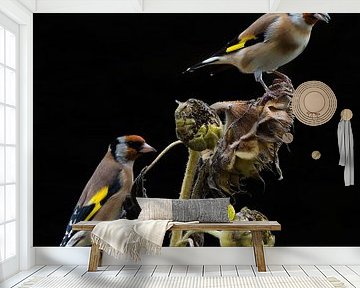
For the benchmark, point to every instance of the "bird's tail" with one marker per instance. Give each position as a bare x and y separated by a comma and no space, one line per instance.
209,61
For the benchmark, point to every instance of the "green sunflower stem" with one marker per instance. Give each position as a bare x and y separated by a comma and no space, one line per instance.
185,239
186,188
214,233
170,146
189,177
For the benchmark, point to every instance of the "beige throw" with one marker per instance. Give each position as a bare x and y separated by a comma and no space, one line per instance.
129,237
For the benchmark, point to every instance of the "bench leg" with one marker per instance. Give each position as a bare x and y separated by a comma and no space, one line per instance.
254,250
258,250
94,259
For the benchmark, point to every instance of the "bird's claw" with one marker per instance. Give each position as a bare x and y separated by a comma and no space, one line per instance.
282,76
269,94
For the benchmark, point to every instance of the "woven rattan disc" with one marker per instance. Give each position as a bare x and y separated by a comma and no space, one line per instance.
314,103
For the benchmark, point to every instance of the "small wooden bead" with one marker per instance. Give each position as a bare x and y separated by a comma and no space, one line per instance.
287,138
346,114
316,155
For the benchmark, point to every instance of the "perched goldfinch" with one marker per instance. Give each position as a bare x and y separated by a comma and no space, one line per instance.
270,42
103,196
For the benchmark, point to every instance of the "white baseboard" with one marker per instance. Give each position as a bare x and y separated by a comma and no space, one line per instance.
210,256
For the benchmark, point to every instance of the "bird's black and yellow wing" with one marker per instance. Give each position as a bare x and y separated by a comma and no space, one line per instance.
238,44
255,33
87,211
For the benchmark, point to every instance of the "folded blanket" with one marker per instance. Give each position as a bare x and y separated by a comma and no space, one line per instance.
129,237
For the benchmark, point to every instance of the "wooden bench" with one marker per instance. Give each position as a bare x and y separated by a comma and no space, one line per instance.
255,227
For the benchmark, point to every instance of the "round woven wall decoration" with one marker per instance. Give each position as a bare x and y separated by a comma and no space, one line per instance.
316,155
314,103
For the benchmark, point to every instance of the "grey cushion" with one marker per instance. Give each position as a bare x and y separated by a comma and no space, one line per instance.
210,210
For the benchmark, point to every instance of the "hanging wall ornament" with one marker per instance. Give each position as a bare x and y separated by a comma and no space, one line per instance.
346,146
314,103
346,114
316,155
287,138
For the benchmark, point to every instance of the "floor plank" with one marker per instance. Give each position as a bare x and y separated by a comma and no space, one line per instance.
195,271
78,271
146,271
294,270
229,270
162,271
100,270
278,270
178,270
62,271
212,270
129,270
245,270
47,271
355,268
328,271
112,270
348,274
311,271
20,277
261,274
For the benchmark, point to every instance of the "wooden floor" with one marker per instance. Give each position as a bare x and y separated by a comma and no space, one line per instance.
350,274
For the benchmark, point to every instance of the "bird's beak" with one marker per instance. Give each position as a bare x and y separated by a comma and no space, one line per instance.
322,16
147,148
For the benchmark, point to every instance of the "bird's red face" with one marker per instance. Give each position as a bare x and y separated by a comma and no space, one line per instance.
312,18
136,146
128,148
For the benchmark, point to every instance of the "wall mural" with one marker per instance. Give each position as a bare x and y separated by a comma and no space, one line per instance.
271,145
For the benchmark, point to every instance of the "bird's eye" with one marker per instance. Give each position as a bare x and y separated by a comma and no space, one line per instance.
133,144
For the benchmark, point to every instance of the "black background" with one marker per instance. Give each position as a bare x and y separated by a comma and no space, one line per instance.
99,76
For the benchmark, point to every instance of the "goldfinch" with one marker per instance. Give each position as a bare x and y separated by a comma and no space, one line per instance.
270,42
103,196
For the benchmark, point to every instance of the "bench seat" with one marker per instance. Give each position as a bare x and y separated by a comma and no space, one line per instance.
255,227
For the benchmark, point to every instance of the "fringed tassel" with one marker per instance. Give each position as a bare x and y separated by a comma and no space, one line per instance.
136,244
